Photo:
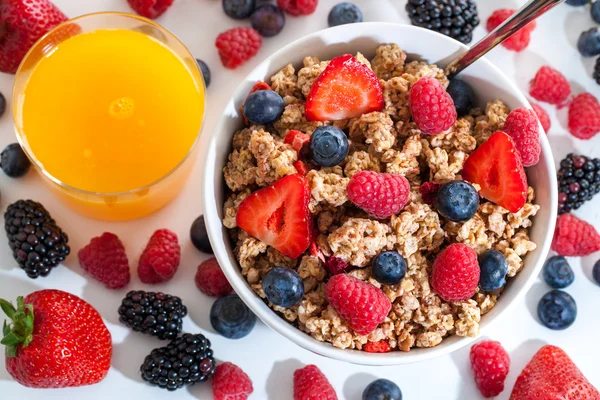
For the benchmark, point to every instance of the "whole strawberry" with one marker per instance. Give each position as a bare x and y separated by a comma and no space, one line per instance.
455,273
150,8
490,364
160,259
54,340
23,23
584,116
105,260
574,237
311,384
230,382
552,375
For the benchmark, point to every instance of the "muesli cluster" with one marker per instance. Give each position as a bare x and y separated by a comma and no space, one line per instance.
387,197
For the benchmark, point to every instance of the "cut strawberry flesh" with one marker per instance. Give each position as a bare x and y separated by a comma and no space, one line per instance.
496,167
296,139
279,216
345,89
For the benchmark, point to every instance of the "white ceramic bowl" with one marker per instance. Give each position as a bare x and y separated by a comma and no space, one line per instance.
489,83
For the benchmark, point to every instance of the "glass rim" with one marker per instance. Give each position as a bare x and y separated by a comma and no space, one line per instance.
21,135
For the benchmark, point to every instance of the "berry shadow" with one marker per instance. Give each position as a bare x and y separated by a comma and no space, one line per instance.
356,384
579,17
460,357
533,296
129,354
281,379
106,301
561,145
587,265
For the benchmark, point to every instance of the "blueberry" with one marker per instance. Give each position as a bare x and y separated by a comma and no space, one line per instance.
205,71
268,20
595,11
239,9
457,201
328,146
382,389
2,104
596,272
283,286
589,42
557,310
493,267
263,107
199,236
557,272
388,267
577,3
13,161
344,13
230,317
463,96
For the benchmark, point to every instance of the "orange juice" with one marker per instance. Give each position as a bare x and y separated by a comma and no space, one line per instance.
111,111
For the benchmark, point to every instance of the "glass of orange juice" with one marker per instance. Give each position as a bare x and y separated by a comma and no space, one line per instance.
109,108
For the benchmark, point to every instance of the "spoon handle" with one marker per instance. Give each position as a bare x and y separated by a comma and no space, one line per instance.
530,11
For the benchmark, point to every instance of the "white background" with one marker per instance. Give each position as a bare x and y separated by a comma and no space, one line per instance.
268,358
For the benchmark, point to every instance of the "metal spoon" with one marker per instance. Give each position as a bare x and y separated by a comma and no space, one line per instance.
525,15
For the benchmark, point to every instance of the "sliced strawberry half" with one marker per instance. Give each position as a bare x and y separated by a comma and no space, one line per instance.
497,168
345,89
279,216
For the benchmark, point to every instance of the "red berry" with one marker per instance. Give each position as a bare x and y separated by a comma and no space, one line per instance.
542,116
105,260
301,167
298,7
574,237
160,259
345,89
231,383
238,45
552,375
150,8
496,167
335,265
23,23
211,280
431,106
377,347
296,139
519,40
380,195
361,304
490,364
550,86
455,273
260,85
584,116
429,191
579,161
523,127
311,384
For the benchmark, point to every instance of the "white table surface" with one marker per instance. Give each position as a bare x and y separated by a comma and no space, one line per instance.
268,358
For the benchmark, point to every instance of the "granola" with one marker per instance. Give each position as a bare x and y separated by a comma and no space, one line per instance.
381,141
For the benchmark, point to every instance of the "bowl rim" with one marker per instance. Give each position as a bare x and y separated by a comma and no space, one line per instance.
279,324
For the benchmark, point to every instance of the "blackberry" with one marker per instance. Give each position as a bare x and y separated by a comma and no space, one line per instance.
454,18
154,313
37,243
183,362
578,181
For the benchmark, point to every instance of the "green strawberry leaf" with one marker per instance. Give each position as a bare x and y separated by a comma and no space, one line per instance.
8,308
10,340
5,328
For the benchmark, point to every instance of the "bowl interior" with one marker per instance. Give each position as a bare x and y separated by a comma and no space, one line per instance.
489,84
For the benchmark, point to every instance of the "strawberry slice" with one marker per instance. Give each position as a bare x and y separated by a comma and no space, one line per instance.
278,215
497,168
301,167
345,89
296,139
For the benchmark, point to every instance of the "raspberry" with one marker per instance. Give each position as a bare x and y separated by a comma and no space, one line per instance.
301,167
160,259
429,191
377,347
522,126
311,384
455,273
231,383
150,8
584,116
542,116
361,304
335,265
296,139
519,40
550,86
574,237
238,45
490,364
105,260
431,106
380,195
298,7
211,280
